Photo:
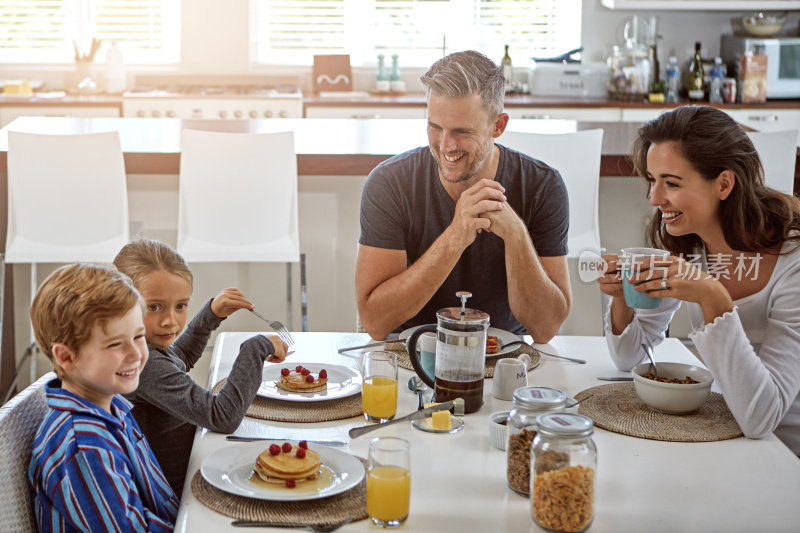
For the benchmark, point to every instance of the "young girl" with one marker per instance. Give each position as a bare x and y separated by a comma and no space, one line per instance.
168,404
735,246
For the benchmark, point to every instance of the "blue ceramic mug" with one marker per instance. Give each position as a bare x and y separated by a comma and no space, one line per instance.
423,361
632,262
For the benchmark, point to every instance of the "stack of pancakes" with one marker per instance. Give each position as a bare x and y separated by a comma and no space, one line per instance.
286,465
296,382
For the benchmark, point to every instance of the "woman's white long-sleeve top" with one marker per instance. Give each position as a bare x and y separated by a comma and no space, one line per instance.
753,351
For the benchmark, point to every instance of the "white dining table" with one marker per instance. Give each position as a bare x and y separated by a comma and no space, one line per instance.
458,481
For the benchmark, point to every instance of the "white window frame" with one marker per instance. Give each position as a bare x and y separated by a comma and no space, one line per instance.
458,20
66,29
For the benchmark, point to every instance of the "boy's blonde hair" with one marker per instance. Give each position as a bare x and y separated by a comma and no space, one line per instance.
76,298
142,257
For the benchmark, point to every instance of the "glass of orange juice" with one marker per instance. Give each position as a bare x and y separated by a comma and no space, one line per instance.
388,481
379,390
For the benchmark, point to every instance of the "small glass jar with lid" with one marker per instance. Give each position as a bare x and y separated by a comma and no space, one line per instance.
529,402
563,466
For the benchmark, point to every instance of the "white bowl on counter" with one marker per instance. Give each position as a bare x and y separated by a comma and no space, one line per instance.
673,398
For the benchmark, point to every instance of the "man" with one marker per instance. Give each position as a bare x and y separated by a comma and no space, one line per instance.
464,214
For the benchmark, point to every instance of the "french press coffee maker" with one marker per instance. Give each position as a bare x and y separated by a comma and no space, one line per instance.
460,354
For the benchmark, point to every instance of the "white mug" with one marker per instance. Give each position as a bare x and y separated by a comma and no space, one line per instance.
509,375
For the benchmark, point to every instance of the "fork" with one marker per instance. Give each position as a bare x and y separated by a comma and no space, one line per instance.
283,333
319,528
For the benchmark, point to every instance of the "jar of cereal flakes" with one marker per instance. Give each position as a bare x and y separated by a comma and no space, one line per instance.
563,466
529,402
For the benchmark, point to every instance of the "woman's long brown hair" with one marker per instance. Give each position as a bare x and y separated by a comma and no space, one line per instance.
754,217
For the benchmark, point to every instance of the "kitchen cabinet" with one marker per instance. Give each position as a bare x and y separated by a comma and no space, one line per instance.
364,112
640,115
767,119
759,119
702,5
10,112
586,114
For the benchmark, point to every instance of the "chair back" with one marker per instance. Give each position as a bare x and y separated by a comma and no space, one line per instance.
778,153
19,420
238,197
576,156
67,198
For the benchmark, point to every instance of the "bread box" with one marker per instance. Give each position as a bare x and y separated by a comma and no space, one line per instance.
582,80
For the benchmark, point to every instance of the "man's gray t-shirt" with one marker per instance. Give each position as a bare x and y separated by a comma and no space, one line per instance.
405,207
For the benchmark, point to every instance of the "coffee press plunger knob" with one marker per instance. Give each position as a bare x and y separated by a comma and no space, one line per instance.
464,295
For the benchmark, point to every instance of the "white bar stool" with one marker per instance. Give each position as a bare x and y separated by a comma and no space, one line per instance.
67,201
778,153
576,156
238,202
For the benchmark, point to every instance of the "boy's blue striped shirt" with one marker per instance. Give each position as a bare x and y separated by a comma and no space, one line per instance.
93,470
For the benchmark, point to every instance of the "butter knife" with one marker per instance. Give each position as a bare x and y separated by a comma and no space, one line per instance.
237,438
616,378
370,345
425,413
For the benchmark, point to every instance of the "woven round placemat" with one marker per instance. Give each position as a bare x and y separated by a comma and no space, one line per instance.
283,411
403,361
324,511
617,408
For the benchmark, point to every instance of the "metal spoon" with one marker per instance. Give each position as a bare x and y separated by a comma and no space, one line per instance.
576,402
415,384
649,351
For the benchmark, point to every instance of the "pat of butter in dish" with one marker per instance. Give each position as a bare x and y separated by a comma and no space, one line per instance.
440,419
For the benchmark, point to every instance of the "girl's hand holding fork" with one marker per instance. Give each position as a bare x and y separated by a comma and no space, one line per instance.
228,301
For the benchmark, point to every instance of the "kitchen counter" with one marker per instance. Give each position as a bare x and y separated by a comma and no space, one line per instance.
526,100
417,99
66,100
328,147
325,147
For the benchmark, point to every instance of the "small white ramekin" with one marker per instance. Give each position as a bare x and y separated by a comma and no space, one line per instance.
498,431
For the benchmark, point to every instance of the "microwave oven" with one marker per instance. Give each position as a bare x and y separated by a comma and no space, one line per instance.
783,61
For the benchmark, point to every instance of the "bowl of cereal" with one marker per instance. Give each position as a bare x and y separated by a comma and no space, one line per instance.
680,388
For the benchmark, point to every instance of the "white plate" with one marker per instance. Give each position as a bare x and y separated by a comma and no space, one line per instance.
229,469
343,381
502,335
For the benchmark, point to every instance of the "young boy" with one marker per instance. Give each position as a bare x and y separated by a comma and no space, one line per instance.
92,469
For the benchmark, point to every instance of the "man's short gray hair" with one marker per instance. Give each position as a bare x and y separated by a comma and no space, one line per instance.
462,74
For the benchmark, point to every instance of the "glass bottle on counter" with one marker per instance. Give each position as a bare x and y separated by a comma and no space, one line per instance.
563,466
508,71
115,70
673,80
695,81
529,402
381,73
715,87
382,83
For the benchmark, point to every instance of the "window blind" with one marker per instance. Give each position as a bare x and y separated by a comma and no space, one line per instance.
49,31
419,31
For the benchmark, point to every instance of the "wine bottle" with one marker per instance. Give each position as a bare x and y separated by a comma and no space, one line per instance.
694,82
508,72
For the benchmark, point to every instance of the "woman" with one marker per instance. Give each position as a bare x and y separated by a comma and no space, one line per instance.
735,260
